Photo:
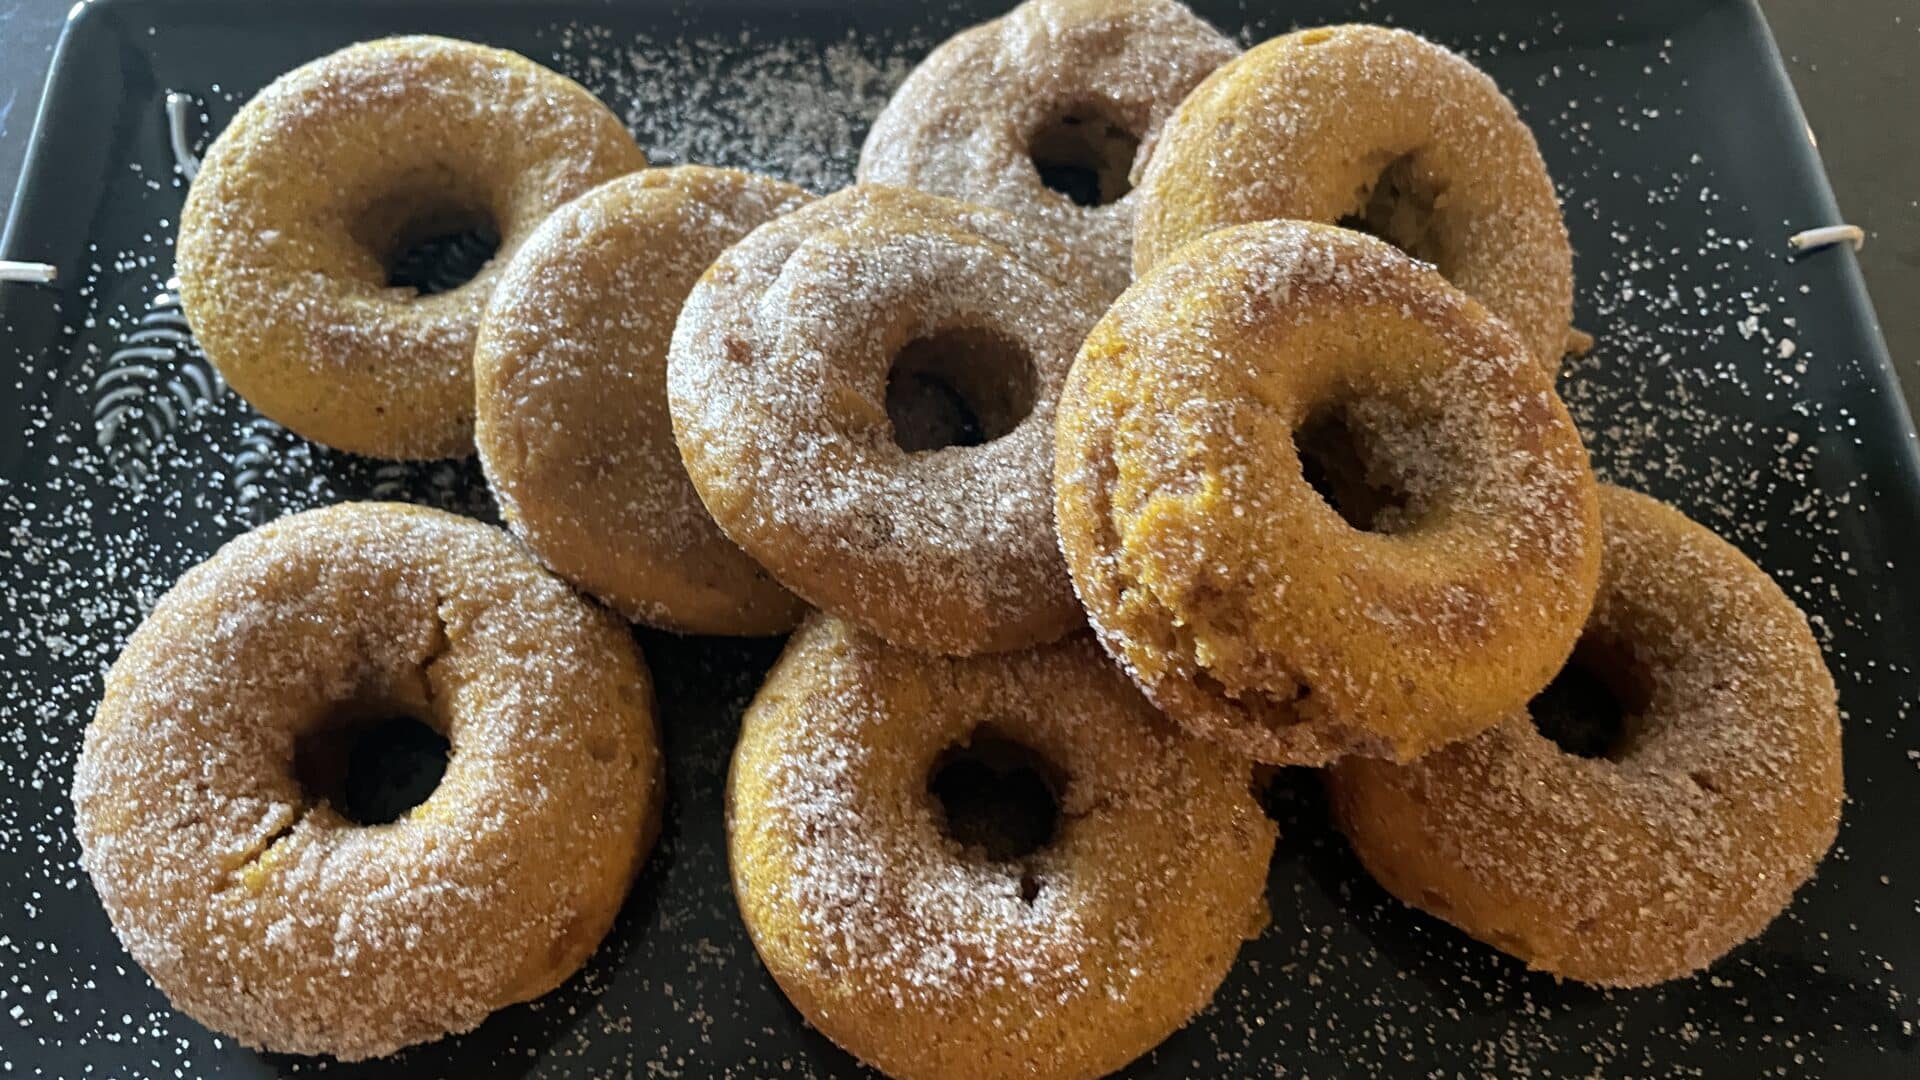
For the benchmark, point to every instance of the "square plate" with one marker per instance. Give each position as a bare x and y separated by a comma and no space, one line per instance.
1745,385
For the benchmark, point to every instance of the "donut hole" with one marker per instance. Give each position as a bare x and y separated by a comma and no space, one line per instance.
430,244
1345,466
1401,208
371,767
998,797
961,386
1084,154
442,257
1591,709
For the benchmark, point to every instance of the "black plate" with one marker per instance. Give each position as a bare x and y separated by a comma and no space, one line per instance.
1744,384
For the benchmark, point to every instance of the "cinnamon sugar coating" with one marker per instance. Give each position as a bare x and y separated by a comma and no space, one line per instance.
1245,603
928,958
1384,130
331,172
571,376
263,912
1088,81
779,379
1655,859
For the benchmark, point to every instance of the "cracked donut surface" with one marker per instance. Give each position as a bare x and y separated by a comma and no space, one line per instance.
265,912
1436,584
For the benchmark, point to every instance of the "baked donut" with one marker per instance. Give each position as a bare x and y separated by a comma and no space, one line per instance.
1648,855
304,205
1046,112
863,392
931,932
1387,132
1437,584
570,372
260,908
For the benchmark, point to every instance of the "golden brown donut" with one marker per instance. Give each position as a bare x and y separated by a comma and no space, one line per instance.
930,957
1055,94
570,370
1382,130
303,203
1436,587
254,904
821,376
1687,835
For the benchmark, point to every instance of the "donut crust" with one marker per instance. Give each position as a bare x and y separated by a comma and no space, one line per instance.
1649,865
1237,596
927,959
1313,125
570,373
965,121
264,913
778,379
323,176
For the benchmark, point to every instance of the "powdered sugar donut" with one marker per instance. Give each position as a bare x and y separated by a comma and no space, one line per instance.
863,393
206,806
1658,847
570,372
1320,502
291,234
1384,131
933,934
1047,112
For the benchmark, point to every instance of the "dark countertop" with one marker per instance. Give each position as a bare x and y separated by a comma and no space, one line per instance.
1852,62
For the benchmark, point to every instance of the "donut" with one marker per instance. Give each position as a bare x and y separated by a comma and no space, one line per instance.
295,230
1646,853
570,374
223,855
1385,131
863,393
923,925
1319,502
1046,112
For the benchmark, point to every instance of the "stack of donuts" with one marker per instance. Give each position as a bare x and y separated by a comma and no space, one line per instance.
1149,414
